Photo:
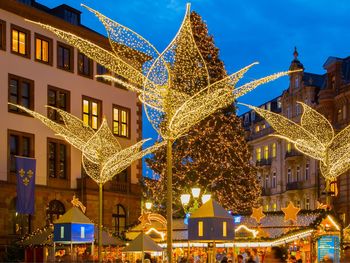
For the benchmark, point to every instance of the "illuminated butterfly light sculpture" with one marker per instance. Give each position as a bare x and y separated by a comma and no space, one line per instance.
314,137
102,155
172,104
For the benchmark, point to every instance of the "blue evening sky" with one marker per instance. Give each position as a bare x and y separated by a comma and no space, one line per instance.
245,31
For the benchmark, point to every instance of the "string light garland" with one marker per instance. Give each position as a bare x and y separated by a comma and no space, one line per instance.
102,155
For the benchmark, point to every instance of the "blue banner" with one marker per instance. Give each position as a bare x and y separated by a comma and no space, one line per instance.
25,172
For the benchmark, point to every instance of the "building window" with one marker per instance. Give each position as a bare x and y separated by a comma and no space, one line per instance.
71,17
298,109
21,222
252,115
307,171
266,152
224,229
268,106
274,150
58,98
121,121
200,228
54,210
57,166
298,204
288,112
101,70
20,144
21,91
339,114
289,175
91,112
279,103
266,208
307,203
257,128
85,65
65,57
43,49
266,182
296,82
20,41
2,35
274,207
298,174
274,180
258,154
289,147
119,219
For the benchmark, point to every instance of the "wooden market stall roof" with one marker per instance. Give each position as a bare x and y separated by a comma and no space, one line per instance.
211,209
142,243
73,215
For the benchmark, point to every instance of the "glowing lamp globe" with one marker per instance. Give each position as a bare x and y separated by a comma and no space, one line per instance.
185,199
196,192
205,198
148,205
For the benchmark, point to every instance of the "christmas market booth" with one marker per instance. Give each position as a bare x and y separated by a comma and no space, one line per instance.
140,246
72,237
309,235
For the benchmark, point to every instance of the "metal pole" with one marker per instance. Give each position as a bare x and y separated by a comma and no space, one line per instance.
100,187
328,199
169,202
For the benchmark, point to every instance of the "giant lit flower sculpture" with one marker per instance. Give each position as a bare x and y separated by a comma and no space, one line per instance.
315,137
102,155
173,85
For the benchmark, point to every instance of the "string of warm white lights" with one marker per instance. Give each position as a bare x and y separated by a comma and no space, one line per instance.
315,137
103,156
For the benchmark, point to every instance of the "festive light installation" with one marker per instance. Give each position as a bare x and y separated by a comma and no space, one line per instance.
290,212
315,137
102,155
258,214
172,106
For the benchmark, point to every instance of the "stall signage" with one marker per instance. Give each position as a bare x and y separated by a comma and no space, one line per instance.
328,247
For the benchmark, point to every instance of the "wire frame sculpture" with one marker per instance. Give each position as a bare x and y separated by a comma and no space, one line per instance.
173,104
173,85
102,155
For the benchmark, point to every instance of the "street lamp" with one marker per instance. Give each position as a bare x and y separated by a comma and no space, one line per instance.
148,205
186,198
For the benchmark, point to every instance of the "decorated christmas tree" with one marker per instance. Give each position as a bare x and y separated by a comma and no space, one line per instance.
213,155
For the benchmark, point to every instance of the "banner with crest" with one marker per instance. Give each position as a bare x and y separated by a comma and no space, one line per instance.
25,173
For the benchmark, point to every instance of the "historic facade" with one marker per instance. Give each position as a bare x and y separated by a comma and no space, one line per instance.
37,69
286,174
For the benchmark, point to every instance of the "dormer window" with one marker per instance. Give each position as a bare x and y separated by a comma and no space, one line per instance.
333,82
71,17
296,82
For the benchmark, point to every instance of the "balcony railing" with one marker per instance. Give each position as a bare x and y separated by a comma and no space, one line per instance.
292,153
265,191
264,162
293,186
261,133
119,187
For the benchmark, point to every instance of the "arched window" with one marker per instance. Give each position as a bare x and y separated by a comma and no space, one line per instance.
21,223
54,210
119,219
